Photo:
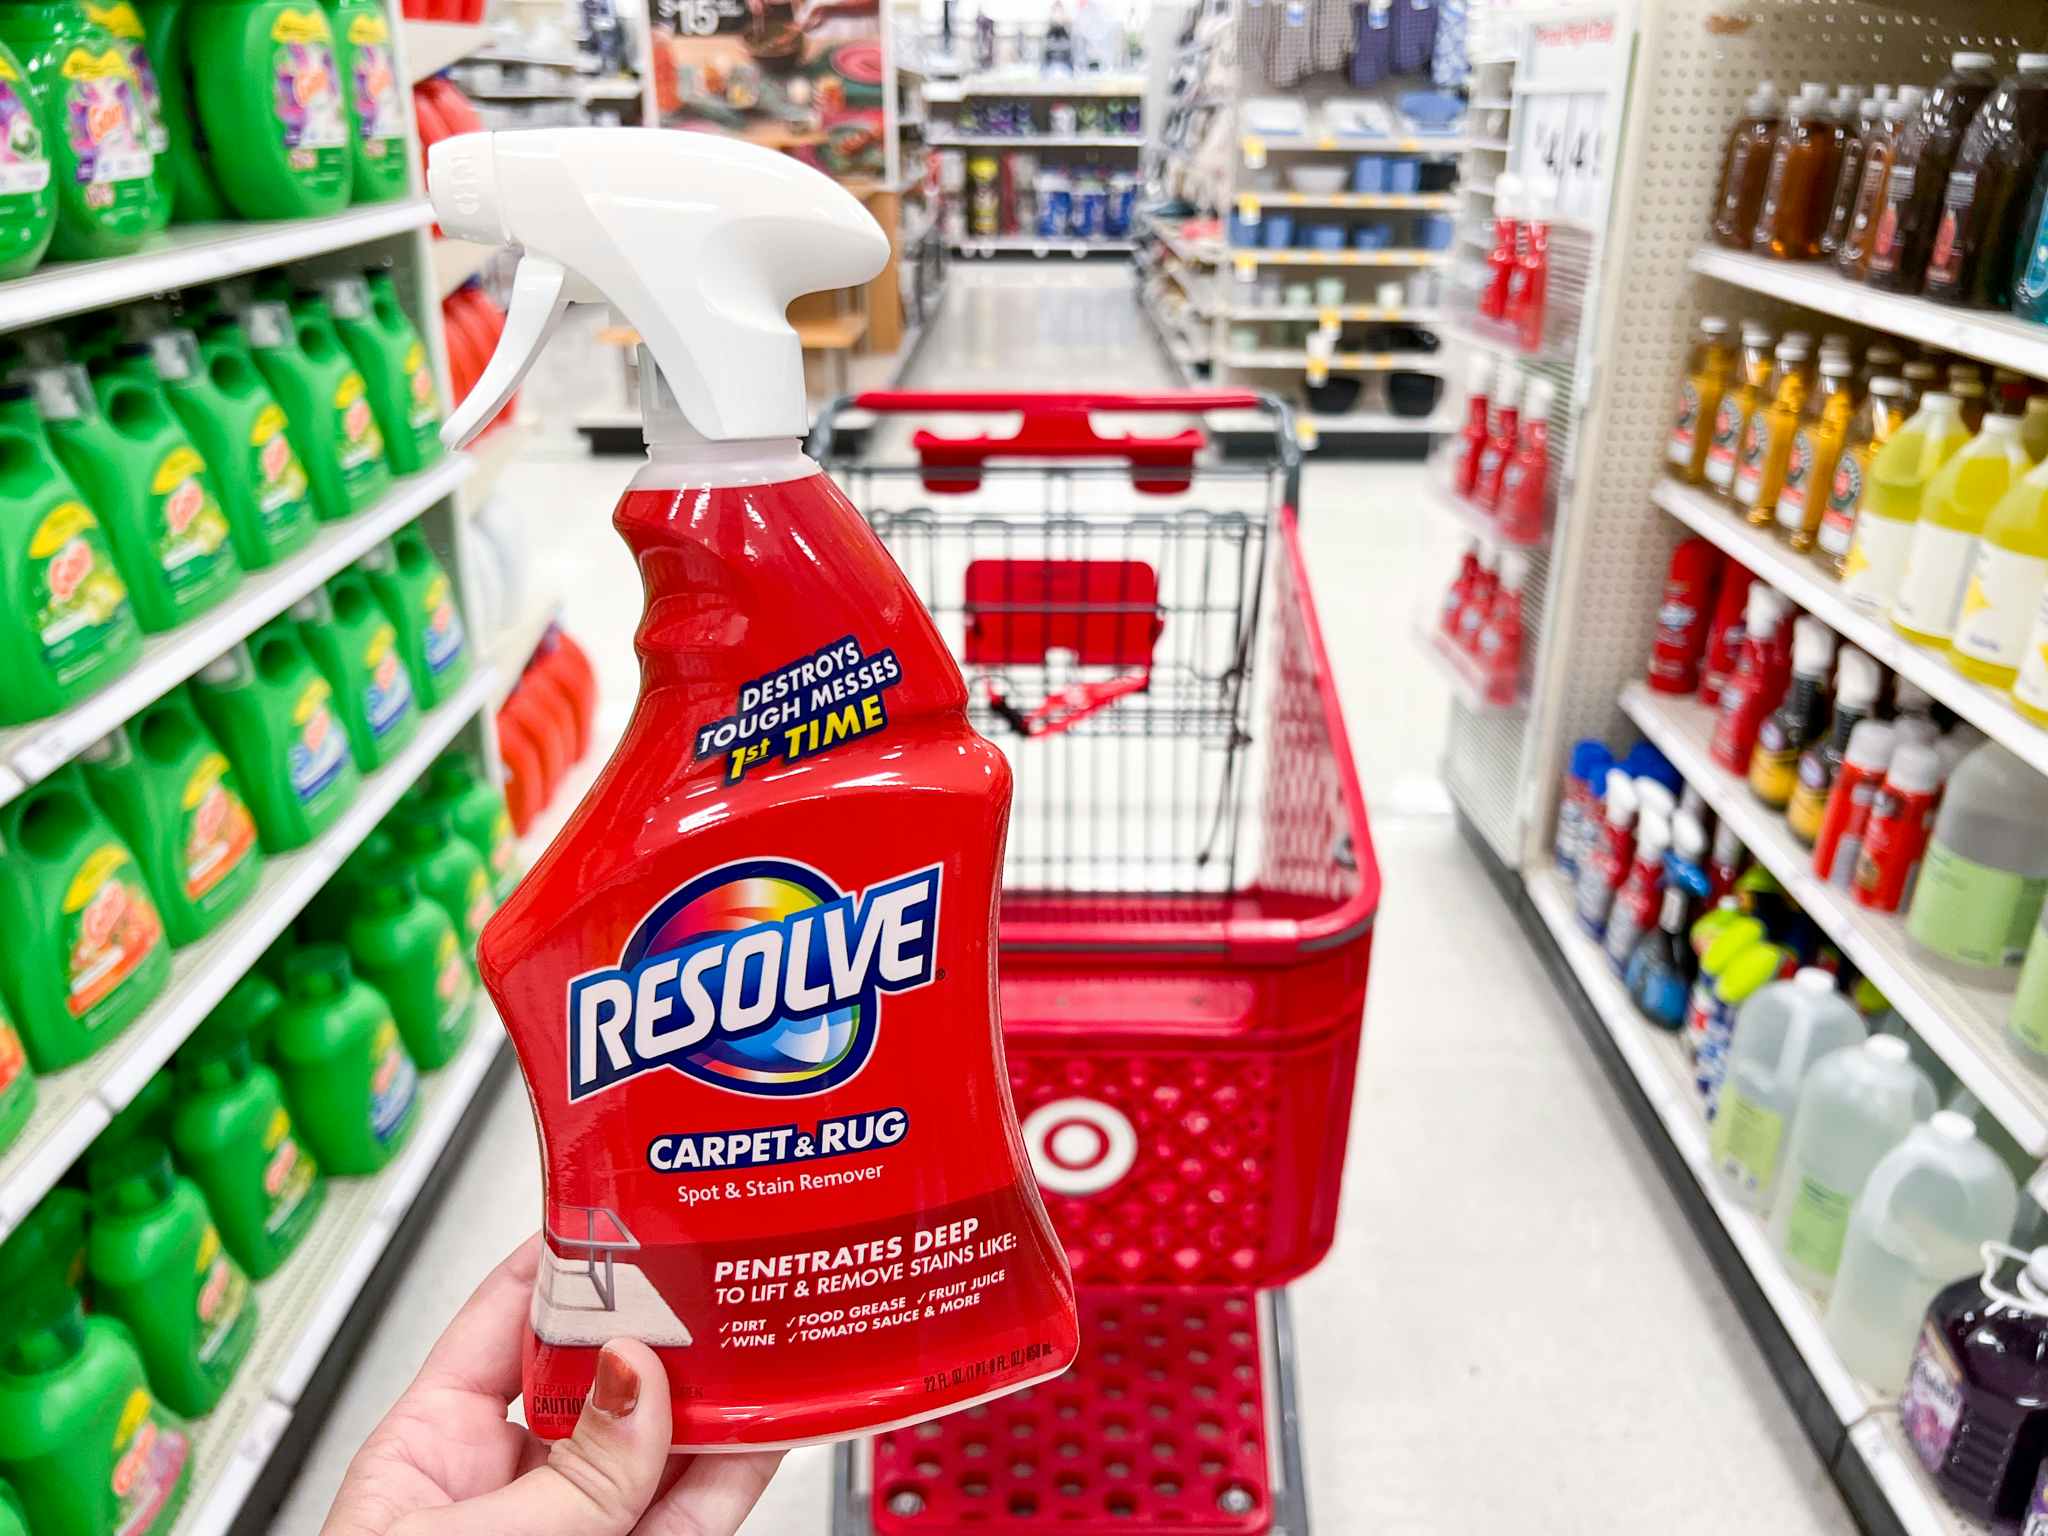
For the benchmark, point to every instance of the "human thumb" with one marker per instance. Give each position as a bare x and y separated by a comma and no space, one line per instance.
598,1481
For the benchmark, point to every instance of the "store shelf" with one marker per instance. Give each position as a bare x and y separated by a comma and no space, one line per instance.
1371,423
1367,313
1251,256
1415,201
35,750
1474,519
1962,1024
1035,246
72,1106
500,54
189,254
1195,253
1468,686
457,261
1036,141
1983,334
514,644
1340,362
1812,588
1492,146
1036,85
1656,1059
1894,1465
301,1308
1253,146
431,46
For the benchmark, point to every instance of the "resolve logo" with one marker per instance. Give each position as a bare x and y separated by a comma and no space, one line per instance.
759,977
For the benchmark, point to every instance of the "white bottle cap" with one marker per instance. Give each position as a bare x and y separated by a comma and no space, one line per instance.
1870,745
1714,325
1811,978
1762,609
1688,836
1917,730
1880,93
1653,833
1884,384
1654,798
1514,566
1755,334
1888,1048
1914,769
1763,98
1813,90
1971,61
1912,95
1857,679
1536,400
1813,646
1508,388
1951,1126
1795,348
2000,425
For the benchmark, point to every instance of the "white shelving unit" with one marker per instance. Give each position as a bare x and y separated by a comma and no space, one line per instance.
949,140
1036,246
431,46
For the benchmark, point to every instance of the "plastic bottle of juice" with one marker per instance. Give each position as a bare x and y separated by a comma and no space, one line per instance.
85,950
1970,261
274,93
1816,445
234,1136
81,1438
1906,223
355,646
1805,155
170,791
1869,125
124,24
70,627
323,396
1878,157
28,200
1744,167
1870,428
417,594
1899,476
238,427
185,164
1707,373
17,1081
1743,398
2007,578
478,812
108,201
1767,440
352,1088
394,364
406,947
159,1266
1780,1033
1953,511
369,78
273,714
450,872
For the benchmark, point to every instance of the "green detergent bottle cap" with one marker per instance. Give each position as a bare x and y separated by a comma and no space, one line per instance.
394,889
133,1177
320,970
421,827
146,1117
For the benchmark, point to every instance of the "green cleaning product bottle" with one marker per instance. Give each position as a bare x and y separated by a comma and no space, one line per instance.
195,198
81,1438
325,399
159,1266
327,915
94,125
369,79
85,950
124,24
65,627
234,1136
406,947
274,715
28,200
146,1116
450,872
409,580
458,785
394,364
355,645
239,428
273,93
171,792
250,1008
352,1087
13,1518
17,1082
1899,475
1953,512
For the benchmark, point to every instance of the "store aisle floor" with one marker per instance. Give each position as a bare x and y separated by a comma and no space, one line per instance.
1515,1328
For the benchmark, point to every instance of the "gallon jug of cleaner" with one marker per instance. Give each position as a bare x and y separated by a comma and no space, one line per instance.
323,396
158,1265
273,714
185,164
419,599
353,1090
124,23
13,1518
17,1080
394,364
171,792
478,813
376,107
1780,1033
859,978
450,872
1985,872
355,646
406,947
28,200
274,93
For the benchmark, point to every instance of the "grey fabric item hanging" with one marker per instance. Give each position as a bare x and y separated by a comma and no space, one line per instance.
1330,35
1289,56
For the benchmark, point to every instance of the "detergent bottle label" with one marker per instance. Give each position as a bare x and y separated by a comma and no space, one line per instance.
452,985
122,21
443,634
192,531
319,747
218,831
361,444
13,1057
311,114
393,1081
504,859
388,694
150,1452
103,120
280,478
1817,1224
24,162
75,594
419,380
288,1174
380,115
110,927
223,1293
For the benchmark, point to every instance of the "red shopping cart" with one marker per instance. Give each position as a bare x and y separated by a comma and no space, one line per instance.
1186,927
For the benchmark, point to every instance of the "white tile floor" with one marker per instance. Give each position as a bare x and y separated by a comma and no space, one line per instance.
1516,1329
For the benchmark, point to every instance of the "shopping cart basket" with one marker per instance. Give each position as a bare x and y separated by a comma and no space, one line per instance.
1186,924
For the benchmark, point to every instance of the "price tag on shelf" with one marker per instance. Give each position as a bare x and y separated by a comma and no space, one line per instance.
1329,319
1321,346
1409,145
1254,152
1247,268
1248,207
1327,141
1304,432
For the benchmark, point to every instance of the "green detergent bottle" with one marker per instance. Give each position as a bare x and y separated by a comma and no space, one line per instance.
234,1136
138,469
478,811
449,871
355,646
66,627
13,1518
394,364
273,713
327,915
95,125
408,579
171,792
369,79
406,947
353,1090
158,1265
325,399
147,1115
28,200
273,92
250,1008
124,24
85,950
185,164
81,1439
240,429
17,1082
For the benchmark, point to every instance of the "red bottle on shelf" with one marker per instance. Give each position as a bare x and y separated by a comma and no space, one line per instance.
1500,637
1500,260
1520,513
1500,446
1473,435
1761,676
1529,285
1459,589
1683,616
524,780
571,662
1724,636
1478,604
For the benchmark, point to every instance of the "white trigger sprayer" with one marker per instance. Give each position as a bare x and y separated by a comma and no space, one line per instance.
698,242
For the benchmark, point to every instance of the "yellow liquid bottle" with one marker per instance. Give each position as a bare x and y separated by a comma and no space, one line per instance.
1767,441
2002,602
1953,512
1869,430
1816,445
1738,403
1891,501
2034,427
1707,373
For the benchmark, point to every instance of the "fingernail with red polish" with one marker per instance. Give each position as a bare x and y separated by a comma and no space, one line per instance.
616,1391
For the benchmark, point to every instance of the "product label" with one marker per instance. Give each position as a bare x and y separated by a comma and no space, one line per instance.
150,1452
362,445
477,903
2031,686
1945,260
312,117
1808,805
223,1293
320,747
24,161
1799,473
504,859
2037,1510
1884,240
1972,913
13,1058
451,984
1753,459
835,694
1774,765
1816,1226
388,694
1932,1405
2029,1018
279,477
1937,570
109,926
373,90
419,381
191,529
1710,1054
1877,559
1845,494
393,1081
121,20
288,1173
218,832
2032,284
105,124
1746,1141
443,635
1999,603
1685,427
1724,448
75,597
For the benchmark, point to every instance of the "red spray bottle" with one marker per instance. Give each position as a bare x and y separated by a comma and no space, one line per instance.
1725,634
752,983
1500,638
1500,259
1520,509
1473,435
1761,676
1500,446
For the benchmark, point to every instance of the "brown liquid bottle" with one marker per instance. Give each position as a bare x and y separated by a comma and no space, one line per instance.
1878,155
1913,192
1849,170
1742,399
1744,167
1966,383
1970,261
1920,377
1880,359
1804,157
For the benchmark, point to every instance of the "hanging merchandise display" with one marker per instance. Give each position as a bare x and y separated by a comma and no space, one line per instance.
355,645
273,714
352,1089
275,93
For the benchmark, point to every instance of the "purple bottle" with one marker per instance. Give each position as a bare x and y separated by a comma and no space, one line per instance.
1976,1400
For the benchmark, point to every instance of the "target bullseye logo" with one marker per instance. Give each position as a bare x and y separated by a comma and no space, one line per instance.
1079,1146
